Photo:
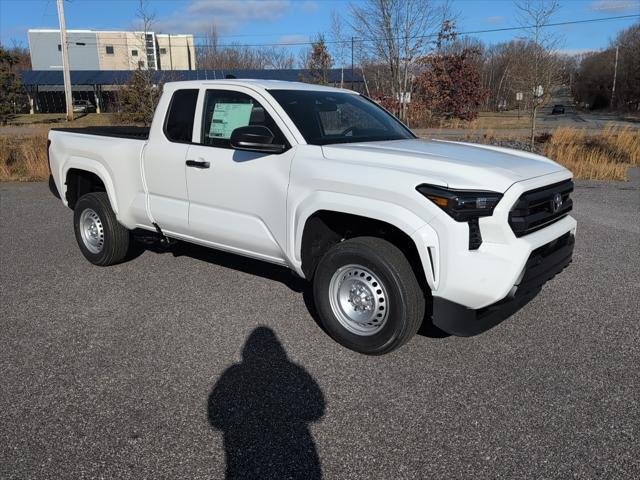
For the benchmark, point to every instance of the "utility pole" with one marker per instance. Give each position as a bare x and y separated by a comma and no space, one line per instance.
615,77
65,61
171,53
351,63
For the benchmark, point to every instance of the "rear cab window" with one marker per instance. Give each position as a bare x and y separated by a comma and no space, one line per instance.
178,126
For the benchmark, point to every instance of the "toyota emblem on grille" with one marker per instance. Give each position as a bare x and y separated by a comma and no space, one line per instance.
556,203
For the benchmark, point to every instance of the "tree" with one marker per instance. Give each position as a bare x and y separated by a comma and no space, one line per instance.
278,58
595,74
11,94
538,66
22,56
594,78
318,61
628,78
451,82
210,55
396,33
340,47
138,98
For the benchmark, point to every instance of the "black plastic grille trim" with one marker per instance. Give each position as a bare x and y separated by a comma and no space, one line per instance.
534,211
475,237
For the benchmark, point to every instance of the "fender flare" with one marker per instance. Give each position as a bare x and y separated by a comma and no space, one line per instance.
393,214
91,166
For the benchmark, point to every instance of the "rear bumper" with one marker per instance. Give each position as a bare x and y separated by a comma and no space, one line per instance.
542,265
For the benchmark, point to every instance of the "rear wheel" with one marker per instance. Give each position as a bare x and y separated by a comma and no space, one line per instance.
367,295
102,240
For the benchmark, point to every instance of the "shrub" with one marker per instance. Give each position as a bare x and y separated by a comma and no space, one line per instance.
602,156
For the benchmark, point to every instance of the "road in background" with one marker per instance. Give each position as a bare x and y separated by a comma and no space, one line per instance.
577,118
116,372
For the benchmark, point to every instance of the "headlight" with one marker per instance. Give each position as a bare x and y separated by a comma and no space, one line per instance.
461,205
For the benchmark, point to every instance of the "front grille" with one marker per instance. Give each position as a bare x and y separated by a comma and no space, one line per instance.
538,208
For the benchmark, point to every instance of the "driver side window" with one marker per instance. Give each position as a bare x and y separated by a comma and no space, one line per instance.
225,110
346,118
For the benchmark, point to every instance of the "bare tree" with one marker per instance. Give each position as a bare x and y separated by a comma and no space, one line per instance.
278,58
211,55
538,69
137,99
146,19
206,53
22,55
397,32
340,47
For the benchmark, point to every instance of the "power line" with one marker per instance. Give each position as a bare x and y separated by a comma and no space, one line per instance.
470,32
363,40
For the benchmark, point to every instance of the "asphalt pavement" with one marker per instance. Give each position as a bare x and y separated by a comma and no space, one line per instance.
181,363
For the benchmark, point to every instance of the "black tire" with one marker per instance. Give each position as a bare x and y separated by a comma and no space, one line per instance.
406,302
116,238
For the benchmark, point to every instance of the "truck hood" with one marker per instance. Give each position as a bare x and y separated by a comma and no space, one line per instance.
451,164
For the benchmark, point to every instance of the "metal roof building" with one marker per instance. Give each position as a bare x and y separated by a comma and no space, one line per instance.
119,77
46,91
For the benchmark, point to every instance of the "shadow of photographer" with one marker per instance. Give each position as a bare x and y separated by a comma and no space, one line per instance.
263,406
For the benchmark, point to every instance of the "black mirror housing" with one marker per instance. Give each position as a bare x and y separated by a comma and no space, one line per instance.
255,138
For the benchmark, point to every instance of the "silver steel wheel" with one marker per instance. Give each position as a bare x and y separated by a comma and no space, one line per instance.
359,300
91,231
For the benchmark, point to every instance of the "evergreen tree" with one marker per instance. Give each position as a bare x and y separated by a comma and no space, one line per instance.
11,94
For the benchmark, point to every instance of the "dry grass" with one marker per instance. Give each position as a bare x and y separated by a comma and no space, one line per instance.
603,156
23,158
58,120
485,120
501,120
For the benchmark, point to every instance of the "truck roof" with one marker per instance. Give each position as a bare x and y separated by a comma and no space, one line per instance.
257,84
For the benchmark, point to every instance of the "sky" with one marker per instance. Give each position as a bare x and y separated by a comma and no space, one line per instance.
292,21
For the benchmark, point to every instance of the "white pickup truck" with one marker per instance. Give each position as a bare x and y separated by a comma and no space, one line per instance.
391,229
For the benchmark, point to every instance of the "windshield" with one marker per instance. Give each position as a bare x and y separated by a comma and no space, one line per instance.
337,117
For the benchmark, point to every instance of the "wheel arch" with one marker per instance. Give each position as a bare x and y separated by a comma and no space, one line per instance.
87,178
324,228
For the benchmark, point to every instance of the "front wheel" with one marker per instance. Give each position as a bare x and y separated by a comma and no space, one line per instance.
102,240
367,295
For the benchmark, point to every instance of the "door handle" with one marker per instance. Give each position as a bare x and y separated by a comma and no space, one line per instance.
197,164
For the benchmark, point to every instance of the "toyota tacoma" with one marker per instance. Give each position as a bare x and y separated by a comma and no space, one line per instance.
389,228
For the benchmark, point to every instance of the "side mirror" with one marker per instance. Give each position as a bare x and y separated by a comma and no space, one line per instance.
255,138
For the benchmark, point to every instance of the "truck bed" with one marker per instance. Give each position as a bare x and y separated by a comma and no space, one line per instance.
134,133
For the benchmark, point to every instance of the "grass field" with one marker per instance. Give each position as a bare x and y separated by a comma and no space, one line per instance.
487,120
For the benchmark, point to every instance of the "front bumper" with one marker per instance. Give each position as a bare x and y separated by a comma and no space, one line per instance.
479,278
542,265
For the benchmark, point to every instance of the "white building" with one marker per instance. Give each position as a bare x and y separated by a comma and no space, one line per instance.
112,50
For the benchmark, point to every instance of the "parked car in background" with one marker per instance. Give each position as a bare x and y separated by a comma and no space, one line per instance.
557,110
388,227
83,106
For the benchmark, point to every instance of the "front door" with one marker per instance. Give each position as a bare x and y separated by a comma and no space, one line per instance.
237,199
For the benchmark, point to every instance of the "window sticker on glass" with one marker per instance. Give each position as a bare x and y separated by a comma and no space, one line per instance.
227,117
